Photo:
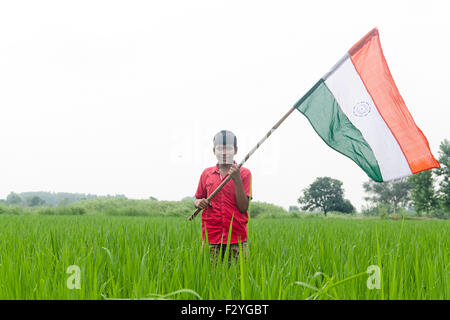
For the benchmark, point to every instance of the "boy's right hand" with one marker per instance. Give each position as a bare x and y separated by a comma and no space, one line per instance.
203,203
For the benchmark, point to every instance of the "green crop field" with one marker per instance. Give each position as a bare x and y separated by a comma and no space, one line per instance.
288,258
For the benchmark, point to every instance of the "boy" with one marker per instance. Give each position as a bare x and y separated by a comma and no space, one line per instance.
229,206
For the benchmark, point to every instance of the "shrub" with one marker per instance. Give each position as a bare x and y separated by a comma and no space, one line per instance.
383,211
264,209
15,210
440,214
61,210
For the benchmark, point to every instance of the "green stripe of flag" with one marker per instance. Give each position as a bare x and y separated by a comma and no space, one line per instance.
332,125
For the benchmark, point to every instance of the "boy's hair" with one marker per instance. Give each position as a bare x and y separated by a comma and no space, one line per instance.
225,137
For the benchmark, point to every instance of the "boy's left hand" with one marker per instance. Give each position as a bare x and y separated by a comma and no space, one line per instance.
234,172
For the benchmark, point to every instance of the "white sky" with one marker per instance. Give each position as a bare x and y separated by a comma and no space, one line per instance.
124,97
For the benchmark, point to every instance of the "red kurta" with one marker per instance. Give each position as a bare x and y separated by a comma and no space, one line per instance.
217,218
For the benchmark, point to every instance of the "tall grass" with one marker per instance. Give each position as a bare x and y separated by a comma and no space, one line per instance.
148,258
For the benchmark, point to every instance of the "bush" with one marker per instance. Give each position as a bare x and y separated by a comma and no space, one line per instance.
46,211
402,213
75,211
61,211
369,211
15,210
381,210
295,214
440,214
266,210
340,214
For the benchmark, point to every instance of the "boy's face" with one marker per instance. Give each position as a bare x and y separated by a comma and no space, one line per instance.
225,153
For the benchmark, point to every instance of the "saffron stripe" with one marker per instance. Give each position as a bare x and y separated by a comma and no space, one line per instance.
370,63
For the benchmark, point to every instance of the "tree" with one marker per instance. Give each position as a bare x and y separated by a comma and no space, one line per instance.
444,174
324,193
346,207
35,201
422,192
293,208
395,193
13,198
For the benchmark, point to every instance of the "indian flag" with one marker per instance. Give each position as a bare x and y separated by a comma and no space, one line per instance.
357,110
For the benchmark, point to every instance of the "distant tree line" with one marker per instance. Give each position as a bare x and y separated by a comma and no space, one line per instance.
41,198
150,207
416,193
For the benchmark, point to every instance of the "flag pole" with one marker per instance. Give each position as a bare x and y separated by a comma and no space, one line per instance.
212,195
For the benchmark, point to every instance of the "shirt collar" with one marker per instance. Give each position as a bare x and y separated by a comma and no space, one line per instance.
217,166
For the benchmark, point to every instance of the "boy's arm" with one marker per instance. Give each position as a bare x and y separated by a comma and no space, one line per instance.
241,197
200,200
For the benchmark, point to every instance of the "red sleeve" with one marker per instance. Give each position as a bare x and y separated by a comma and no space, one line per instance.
247,182
201,190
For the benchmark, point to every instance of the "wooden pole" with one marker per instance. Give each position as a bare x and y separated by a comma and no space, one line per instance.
212,195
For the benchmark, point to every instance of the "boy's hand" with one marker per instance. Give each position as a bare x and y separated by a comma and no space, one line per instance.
234,172
203,203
